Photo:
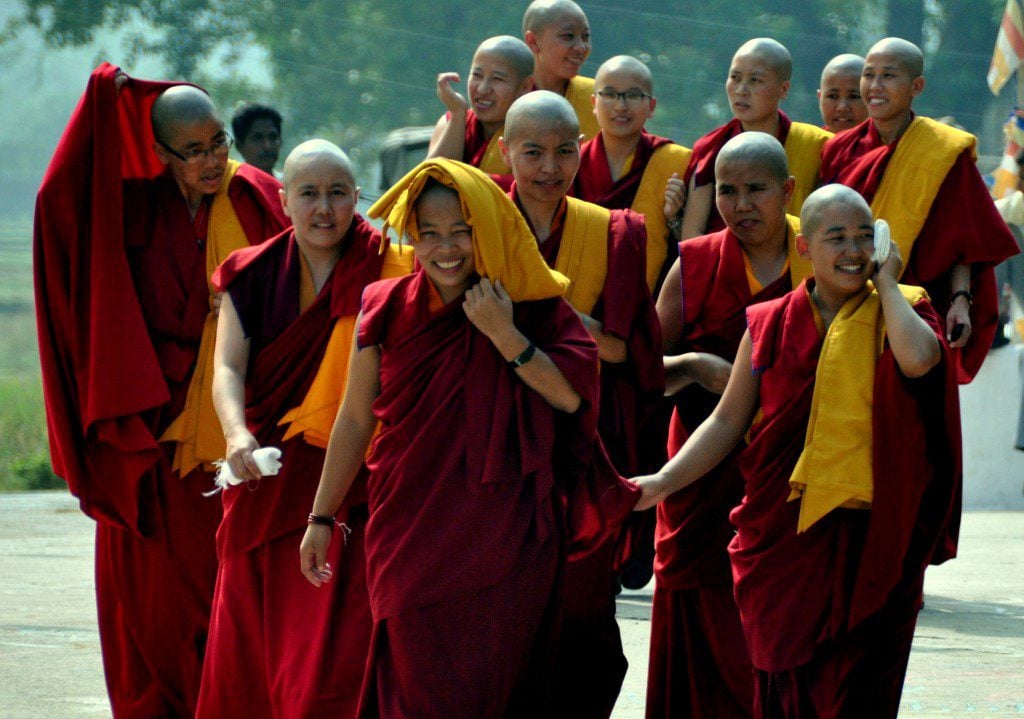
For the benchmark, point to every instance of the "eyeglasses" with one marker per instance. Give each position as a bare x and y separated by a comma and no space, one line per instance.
219,148
631,97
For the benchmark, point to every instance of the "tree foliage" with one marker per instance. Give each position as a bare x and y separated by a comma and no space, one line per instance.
354,70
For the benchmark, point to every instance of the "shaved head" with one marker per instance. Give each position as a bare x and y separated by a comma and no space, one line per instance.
907,54
627,64
755,148
541,13
512,50
846,64
181,105
540,108
772,52
314,150
824,198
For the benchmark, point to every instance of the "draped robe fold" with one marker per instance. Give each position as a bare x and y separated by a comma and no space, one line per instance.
469,479
829,613
278,645
121,300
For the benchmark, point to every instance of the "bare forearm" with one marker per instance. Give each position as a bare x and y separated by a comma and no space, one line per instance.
677,375
346,451
710,443
913,343
960,279
539,373
449,140
229,398
610,348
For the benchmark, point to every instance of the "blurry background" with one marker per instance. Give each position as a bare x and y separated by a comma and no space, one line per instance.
352,71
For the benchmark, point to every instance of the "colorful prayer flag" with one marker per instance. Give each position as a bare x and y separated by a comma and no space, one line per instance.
1009,51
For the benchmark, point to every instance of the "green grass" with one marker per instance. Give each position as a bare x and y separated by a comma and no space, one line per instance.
24,455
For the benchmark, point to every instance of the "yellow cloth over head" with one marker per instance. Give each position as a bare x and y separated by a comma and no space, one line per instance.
835,468
504,248
650,202
924,156
803,153
197,429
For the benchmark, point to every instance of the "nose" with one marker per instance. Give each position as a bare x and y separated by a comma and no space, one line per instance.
620,100
743,201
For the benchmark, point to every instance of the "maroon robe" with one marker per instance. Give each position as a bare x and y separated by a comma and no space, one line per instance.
951,234
705,152
475,147
592,666
594,181
829,614
120,301
276,641
462,561
699,664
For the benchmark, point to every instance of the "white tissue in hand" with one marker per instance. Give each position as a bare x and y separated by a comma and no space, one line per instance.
268,460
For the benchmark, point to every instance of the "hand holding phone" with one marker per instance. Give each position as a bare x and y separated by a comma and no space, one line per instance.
883,243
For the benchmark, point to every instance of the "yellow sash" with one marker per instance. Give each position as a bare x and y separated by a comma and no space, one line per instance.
583,254
491,162
924,156
803,153
835,467
579,93
650,202
197,429
315,416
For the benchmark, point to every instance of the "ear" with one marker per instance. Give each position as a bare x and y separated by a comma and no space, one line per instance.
527,85
504,151
802,247
161,153
284,201
530,38
355,195
785,90
788,187
917,86
650,110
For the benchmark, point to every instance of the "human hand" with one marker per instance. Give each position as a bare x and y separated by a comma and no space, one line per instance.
452,100
710,371
958,322
313,554
215,303
675,197
652,489
888,273
240,446
489,308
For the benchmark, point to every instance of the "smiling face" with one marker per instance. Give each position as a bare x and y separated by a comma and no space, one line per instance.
754,88
320,199
202,177
562,45
617,116
544,156
493,87
839,98
444,247
839,244
752,201
888,87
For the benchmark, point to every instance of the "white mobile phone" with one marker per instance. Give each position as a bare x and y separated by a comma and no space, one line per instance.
883,242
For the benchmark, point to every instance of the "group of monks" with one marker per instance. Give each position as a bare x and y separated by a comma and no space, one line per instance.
247,383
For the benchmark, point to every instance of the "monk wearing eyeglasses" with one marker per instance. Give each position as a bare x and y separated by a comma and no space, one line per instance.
140,203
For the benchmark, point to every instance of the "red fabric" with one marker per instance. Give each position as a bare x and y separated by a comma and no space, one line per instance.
475,147
798,592
594,180
699,658
494,502
705,152
280,647
950,235
698,665
117,299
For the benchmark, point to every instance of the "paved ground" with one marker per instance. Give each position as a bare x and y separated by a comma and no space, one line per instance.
968,657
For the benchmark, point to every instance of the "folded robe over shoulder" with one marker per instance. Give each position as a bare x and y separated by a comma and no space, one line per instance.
449,402
641,188
803,144
101,372
798,591
954,222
